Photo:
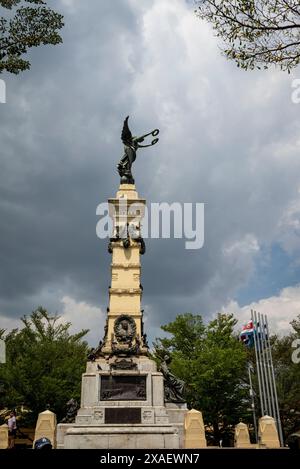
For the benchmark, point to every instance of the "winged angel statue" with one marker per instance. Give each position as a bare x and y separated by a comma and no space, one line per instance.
131,144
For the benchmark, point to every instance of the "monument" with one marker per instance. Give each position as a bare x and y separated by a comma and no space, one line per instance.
125,401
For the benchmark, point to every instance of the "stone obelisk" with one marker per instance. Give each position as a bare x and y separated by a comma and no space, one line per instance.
124,332
123,403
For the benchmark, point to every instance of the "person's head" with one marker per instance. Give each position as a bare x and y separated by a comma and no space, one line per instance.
11,414
43,443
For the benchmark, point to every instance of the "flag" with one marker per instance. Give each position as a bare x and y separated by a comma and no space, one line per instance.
246,335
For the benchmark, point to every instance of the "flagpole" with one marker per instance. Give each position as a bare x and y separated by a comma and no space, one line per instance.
253,318
264,364
262,378
275,390
267,352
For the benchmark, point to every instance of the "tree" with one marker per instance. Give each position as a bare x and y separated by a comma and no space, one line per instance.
44,364
25,27
256,32
287,375
212,362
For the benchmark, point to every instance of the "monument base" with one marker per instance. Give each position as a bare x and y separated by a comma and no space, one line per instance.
122,406
121,436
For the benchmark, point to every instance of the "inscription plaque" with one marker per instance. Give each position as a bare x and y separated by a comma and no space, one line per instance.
123,388
122,415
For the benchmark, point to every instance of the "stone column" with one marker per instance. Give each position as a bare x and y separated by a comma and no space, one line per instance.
125,292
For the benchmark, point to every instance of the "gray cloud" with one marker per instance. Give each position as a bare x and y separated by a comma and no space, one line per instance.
228,139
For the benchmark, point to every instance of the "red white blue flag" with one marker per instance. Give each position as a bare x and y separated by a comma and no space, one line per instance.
246,335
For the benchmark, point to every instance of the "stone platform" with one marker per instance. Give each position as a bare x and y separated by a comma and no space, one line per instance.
123,408
121,436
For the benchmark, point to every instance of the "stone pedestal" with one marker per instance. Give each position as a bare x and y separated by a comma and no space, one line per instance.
194,435
61,433
123,409
121,436
267,432
241,436
46,427
176,414
4,436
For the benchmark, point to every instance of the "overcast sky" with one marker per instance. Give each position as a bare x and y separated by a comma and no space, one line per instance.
228,138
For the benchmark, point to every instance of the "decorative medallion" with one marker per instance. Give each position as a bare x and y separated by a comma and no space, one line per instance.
124,328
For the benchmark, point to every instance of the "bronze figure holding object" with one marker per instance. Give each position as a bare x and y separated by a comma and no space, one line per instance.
131,144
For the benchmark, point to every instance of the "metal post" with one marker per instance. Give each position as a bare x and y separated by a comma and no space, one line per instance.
275,390
267,352
262,380
264,365
257,363
252,402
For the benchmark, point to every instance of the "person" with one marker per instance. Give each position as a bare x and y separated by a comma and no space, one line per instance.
12,429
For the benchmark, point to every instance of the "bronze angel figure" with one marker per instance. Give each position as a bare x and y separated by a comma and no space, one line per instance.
131,144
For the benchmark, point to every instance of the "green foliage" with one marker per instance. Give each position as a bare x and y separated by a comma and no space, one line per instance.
28,26
212,362
256,33
44,364
287,379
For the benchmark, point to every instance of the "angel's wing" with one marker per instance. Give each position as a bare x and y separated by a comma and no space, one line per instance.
126,136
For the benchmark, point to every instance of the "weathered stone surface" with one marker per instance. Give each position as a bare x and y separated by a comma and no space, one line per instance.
267,432
194,430
241,436
89,390
61,432
3,436
126,210
158,389
176,414
122,436
46,427
147,415
154,413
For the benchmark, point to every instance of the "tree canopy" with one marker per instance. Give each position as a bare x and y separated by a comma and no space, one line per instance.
287,378
25,24
256,33
44,364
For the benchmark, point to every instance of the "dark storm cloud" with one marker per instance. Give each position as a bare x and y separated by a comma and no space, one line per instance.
222,142
58,151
